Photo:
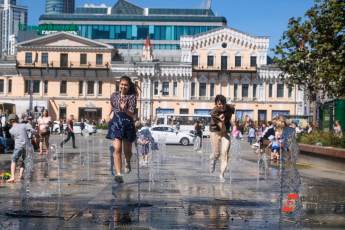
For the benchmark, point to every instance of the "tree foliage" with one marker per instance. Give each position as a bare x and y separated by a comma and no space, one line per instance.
311,52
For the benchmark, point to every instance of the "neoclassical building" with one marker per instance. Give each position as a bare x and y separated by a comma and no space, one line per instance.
223,61
69,74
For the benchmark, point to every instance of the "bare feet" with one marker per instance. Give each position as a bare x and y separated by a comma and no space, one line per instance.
11,180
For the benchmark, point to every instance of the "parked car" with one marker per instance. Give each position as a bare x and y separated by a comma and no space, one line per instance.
171,135
90,129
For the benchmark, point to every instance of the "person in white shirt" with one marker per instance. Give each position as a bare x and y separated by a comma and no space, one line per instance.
44,123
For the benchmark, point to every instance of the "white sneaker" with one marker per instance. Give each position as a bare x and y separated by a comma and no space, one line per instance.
221,178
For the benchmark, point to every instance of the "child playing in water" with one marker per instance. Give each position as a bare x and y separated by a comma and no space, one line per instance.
275,147
19,132
144,140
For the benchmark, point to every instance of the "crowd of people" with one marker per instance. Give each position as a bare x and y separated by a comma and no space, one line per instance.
123,131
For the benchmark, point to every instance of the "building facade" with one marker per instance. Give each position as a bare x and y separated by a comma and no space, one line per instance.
180,58
223,61
62,72
11,15
126,27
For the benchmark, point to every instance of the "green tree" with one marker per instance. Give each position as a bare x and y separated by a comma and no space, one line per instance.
311,52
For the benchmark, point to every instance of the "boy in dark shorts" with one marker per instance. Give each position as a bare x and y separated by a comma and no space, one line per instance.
19,132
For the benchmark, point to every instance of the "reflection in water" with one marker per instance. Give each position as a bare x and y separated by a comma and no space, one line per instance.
290,180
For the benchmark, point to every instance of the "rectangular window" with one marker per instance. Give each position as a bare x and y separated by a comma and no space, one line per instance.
63,87
28,58
245,88
2,85
184,111
44,58
290,91
193,89
195,60
175,88
252,61
10,85
235,90
202,89
224,63
280,90
100,88
155,88
270,90
210,60
63,60
45,90
254,90
81,87
238,61
212,89
83,59
99,59
165,88
90,87
35,86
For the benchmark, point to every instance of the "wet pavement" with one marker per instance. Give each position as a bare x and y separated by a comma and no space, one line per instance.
73,188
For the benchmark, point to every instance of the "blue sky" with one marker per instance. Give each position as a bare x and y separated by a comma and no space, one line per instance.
255,17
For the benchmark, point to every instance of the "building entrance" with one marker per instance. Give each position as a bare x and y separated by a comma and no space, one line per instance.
90,114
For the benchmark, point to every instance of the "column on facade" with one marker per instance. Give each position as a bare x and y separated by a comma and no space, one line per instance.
188,89
95,88
6,86
84,88
41,88
220,84
228,88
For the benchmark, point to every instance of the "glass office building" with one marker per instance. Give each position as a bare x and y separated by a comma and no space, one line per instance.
59,6
126,25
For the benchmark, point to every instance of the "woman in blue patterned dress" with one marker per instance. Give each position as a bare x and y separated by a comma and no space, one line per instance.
121,125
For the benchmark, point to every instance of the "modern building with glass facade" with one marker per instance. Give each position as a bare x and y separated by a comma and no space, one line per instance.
11,15
126,26
60,6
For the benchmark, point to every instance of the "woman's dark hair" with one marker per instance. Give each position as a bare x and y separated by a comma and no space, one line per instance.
133,89
220,98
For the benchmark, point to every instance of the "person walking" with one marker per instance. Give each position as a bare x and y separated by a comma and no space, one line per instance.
121,126
219,128
198,135
44,124
19,132
337,129
251,134
70,132
82,126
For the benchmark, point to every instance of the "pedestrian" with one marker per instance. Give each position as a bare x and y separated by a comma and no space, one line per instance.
144,140
251,134
82,126
61,126
19,132
44,124
3,142
70,132
337,130
198,134
121,128
219,128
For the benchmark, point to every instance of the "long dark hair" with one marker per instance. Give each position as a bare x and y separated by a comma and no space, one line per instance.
133,89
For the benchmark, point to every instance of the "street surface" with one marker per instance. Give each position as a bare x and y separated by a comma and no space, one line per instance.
74,189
